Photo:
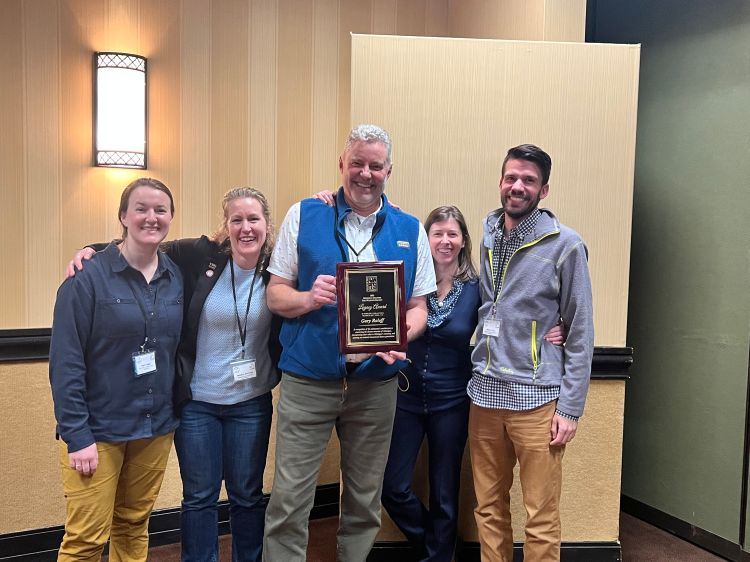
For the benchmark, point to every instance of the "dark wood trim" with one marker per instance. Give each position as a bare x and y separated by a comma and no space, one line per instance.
40,545
33,345
687,531
611,362
469,552
25,345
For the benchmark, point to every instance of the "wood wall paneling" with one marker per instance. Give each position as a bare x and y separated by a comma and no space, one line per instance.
83,214
294,101
537,20
564,20
42,155
324,142
229,68
437,19
160,43
263,91
195,90
384,17
357,16
410,17
13,247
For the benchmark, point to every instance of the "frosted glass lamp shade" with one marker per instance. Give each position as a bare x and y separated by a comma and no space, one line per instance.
119,110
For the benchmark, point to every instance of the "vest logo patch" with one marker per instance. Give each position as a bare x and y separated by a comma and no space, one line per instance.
403,244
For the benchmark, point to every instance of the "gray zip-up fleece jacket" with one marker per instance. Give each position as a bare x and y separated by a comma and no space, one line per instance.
545,280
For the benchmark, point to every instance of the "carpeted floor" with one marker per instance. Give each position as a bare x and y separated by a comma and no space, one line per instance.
641,542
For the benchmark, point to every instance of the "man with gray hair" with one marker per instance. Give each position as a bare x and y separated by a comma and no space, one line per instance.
321,388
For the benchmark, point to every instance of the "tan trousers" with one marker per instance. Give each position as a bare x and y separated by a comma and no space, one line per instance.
362,412
497,438
116,500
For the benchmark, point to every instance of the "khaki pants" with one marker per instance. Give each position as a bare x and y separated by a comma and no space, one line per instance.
117,500
497,438
362,412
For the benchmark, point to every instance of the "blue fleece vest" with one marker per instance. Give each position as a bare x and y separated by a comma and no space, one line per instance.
311,342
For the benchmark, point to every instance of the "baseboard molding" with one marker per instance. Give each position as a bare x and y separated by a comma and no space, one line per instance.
40,545
469,552
687,531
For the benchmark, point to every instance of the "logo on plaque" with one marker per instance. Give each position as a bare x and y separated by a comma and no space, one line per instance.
371,283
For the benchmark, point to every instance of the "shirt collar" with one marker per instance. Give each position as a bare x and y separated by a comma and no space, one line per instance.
524,228
344,210
118,263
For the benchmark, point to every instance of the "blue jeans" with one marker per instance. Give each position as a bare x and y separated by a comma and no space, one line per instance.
431,531
228,442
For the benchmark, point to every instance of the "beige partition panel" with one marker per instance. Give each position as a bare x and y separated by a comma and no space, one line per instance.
453,107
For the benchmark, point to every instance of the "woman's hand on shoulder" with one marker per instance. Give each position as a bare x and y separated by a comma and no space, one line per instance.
76,264
326,196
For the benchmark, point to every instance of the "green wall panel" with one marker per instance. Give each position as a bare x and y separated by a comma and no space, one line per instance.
689,312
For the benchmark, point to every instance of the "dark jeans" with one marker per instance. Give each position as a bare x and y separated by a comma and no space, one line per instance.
432,532
228,442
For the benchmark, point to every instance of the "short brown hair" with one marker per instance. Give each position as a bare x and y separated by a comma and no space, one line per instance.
132,186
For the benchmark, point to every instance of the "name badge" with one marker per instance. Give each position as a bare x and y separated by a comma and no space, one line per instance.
243,369
144,362
491,327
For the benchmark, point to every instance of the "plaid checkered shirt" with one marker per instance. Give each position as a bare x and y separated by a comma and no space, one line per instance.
487,391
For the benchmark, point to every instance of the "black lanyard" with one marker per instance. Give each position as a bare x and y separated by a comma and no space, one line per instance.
499,248
342,237
146,319
242,330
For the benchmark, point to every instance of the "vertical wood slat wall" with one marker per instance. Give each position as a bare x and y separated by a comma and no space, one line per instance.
241,92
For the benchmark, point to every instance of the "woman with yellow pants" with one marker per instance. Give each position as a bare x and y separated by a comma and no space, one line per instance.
114,335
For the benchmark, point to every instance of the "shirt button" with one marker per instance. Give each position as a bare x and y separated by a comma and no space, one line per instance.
150,391
148,415
117,301
151,313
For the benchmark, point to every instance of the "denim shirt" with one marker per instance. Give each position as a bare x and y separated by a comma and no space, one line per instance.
98,325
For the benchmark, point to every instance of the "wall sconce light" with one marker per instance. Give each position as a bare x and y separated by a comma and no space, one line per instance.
119,110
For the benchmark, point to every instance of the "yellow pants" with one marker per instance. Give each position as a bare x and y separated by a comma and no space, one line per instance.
497,439
117,500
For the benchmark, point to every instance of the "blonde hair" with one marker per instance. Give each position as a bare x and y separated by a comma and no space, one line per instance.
221,234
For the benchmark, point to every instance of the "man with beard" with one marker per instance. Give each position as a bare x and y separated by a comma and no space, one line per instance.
527,394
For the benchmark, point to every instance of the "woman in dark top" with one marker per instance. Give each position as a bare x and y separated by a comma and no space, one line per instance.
433,402
114,335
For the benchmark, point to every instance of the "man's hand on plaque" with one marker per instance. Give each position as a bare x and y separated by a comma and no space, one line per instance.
322,292
390,357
